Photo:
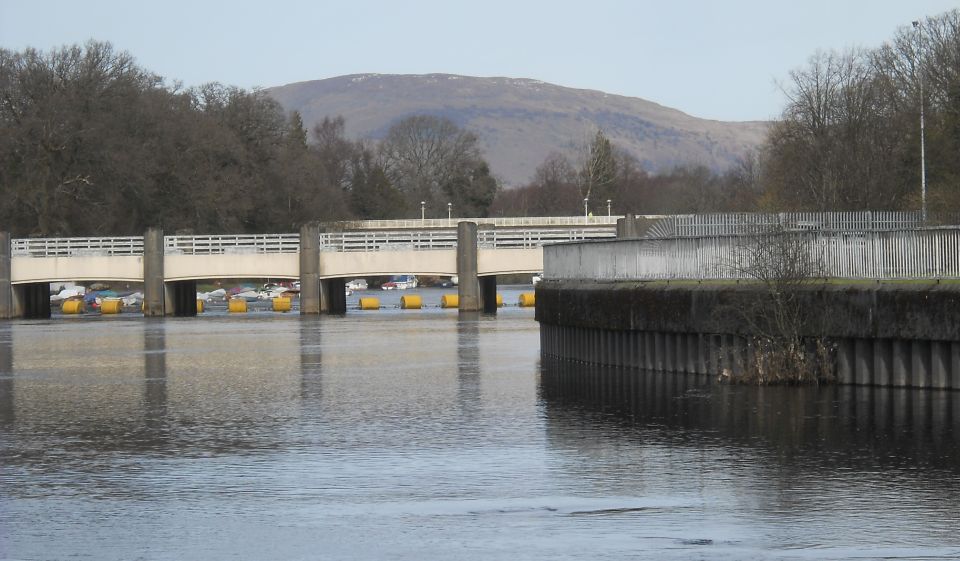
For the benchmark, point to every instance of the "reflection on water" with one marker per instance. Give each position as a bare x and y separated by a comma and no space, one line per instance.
155,372
849,472
437,436
854,427
6,374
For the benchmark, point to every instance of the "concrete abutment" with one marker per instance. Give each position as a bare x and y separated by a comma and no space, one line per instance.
865,335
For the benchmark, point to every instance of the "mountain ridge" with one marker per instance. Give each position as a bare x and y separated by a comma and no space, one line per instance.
521,120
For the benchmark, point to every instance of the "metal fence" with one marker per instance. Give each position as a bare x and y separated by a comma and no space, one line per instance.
904,254
698,225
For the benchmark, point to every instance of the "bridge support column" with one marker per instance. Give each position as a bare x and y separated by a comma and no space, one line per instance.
468,287
31,300
310,300
154,291
180,298
6,288
627,227
488,294
333,295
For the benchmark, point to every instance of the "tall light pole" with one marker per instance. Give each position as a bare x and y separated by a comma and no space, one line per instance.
923,152
608,208
449,211
586,201
423,211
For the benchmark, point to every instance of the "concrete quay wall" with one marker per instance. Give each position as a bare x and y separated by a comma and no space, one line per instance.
899,335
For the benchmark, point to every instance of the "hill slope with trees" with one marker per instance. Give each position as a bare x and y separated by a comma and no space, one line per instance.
520,122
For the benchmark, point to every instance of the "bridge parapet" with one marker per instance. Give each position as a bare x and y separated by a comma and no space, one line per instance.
445,239
501,222
232,244
76,247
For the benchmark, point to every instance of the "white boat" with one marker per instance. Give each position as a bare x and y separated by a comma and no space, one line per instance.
400,282
218,294
537,278
67,293
357,284
271,291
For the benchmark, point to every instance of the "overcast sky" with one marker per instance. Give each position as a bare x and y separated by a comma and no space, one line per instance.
713,59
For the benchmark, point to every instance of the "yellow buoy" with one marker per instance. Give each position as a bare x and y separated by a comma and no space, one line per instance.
111,306
73,306
449,301
199,306
369,303
237,305
499,300
527,300
281,304
411,302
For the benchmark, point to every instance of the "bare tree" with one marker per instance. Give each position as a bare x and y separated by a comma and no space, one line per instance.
433,160
785,266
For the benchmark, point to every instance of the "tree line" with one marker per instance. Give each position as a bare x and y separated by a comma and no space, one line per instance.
848,139
92,144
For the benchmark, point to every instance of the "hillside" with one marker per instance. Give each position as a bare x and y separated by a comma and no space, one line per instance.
520,121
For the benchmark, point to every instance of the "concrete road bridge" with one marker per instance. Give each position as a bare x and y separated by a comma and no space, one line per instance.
323,257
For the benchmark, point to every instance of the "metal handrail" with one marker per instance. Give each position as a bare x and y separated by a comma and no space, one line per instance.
932,253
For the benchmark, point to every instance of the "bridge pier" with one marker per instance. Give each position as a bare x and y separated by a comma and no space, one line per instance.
310,300
488,294
468,287
31,300
180,298
6,288
154,291
333,295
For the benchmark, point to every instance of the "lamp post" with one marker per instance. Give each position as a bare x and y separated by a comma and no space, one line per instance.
586,201
923,156
449,211
423,211
608,208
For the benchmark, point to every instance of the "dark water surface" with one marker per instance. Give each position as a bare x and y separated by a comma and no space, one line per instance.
427,435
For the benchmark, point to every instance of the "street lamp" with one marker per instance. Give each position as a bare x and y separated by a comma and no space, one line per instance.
923,156
423,211
608,207
449,211
586,200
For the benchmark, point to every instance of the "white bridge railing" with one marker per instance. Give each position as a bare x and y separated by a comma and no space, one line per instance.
370,240
908,254
501,238
533,222
218,245
76,247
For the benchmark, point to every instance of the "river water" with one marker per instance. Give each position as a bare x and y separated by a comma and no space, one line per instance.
422,435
